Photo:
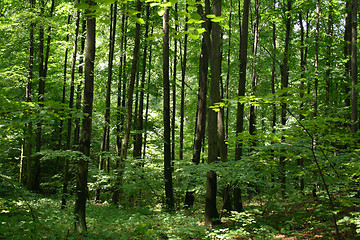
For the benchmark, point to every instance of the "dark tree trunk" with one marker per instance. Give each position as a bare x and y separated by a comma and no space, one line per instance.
211,213
238,205
242,75
29,129
85,140
121,92
214,94
254,76
347,51
147,98
200,123
169,197
130,93
79,86
182,104
140,122
353,67
173,117
328,59
105,141
71,105
284,85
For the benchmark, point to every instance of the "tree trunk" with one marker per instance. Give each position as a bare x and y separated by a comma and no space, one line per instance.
130,92
121,92
242,76
214,95
29,129
354,104
71,105
85,140
347,51
284,85
211,213
182,104
254,70
202,92
173,117
169,197
79,86
140,123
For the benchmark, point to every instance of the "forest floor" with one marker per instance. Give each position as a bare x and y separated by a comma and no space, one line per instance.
26,215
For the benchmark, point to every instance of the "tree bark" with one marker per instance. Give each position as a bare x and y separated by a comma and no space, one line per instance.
354,104
242,76
28,95
284,85
85,140
130,93
211,213
182,103
200,123
140,122
169,197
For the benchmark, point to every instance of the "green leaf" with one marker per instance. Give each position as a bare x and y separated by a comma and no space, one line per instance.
133,12
139,20
218,19
195,16
200,30
193,36
161,12
83,6
166,4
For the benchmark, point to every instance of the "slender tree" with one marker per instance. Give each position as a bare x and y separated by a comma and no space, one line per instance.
242,75
85,140
353,67
169,197
130,93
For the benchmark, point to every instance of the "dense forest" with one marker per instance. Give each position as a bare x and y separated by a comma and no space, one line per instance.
179,119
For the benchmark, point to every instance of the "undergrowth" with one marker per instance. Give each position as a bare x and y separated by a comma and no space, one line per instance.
26,215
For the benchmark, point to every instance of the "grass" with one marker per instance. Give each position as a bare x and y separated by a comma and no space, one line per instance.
26,215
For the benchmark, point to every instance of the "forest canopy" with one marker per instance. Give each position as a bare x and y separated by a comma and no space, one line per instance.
179,119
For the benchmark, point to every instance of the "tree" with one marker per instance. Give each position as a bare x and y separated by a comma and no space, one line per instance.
169,195
85,140
126,140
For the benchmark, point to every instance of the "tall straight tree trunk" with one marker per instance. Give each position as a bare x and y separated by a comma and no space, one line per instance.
43,66
200,123
105,144
147,98
329,32
303,57
71,105
242,75
211,213
214,94
130,93
85,140
140,122
353,67
121,88
169,195
316,63
284,85
79,86
106,129
182,103
227,81
173,117
28,95
254,69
